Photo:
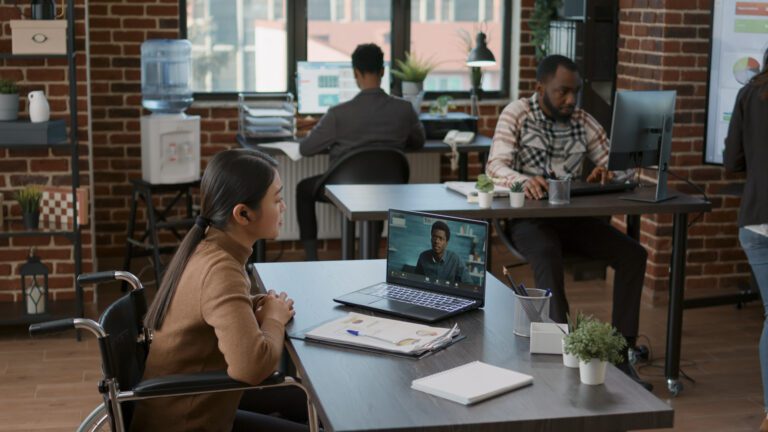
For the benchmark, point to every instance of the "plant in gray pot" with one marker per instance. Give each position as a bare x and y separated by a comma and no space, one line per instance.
9,100
412,72
29,200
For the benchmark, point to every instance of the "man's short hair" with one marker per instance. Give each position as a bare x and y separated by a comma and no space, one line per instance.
368,58
548,67
442,226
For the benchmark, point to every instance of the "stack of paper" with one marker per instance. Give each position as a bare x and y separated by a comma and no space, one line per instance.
468,189
383,334
472,382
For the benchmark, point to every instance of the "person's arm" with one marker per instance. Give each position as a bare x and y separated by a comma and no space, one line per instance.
252,351
505,146
321,137
734,158
462,274
416,136
419,266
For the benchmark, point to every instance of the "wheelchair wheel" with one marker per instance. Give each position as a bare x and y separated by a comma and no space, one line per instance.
97,421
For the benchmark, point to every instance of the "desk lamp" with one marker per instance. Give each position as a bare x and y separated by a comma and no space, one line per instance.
479,56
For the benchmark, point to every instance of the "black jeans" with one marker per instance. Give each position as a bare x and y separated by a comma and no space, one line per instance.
281,409
542,242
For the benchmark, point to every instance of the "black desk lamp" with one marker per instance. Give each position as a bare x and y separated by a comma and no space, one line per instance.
479,56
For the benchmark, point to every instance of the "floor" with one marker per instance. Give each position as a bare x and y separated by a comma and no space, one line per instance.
49,384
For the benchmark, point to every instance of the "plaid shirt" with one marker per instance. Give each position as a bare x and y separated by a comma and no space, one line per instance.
527,143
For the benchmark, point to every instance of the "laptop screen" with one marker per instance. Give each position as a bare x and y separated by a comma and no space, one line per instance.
436,252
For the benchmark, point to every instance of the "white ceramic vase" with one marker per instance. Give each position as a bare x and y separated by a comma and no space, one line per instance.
516,199
569,360
592,372
39,110
485,199
413,92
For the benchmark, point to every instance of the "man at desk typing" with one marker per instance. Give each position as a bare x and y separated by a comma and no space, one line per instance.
547,134
372,118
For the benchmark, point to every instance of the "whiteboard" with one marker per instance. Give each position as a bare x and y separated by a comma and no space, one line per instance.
739,41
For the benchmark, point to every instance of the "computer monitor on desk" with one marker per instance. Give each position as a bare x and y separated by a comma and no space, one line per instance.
641,136
321,85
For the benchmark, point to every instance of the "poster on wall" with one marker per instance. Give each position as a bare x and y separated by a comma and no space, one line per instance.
739,42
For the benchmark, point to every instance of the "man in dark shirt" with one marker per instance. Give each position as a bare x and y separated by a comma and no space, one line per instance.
439,262
372,118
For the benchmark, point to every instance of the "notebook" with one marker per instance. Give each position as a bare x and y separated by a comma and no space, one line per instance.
472,382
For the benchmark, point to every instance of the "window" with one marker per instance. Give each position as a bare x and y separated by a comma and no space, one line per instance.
246,45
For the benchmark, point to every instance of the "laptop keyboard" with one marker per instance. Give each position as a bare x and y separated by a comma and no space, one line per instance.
418,297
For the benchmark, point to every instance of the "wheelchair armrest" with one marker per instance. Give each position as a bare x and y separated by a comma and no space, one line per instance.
203,382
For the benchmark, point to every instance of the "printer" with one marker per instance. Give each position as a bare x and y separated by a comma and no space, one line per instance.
436,126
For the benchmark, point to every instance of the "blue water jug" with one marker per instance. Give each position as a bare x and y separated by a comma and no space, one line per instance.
165,75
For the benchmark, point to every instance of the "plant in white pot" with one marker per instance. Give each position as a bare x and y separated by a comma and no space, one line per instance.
516,194
9,100
412,72
574,322
595,343
484,188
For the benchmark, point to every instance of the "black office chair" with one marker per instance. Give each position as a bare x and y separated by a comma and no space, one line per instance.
124,345
367,165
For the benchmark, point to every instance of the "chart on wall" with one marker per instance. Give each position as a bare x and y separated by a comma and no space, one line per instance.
739,42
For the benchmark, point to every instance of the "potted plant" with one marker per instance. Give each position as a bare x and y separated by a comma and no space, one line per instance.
570,360
9,100
516,194
441,105
29,200
595,343
412,72
484,188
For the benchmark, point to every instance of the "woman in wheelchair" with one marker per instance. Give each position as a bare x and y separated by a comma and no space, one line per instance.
204,317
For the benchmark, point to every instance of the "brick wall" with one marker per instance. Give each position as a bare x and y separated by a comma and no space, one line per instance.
43,166
664,45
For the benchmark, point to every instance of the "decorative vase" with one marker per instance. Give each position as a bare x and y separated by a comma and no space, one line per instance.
569,360
516,199
413,92
485,199
39,110
9,107
592,372
31,220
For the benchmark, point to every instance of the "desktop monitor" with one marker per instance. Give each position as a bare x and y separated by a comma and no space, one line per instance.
321,85
641,135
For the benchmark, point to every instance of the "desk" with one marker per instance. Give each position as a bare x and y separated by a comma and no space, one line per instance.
481,145
360,391
368,203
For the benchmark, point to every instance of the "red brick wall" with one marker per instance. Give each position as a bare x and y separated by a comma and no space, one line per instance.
43,166
664,45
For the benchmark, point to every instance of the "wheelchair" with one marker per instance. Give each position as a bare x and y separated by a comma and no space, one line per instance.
124,345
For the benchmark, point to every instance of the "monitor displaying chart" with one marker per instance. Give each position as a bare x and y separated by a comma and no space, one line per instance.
321,85
739,40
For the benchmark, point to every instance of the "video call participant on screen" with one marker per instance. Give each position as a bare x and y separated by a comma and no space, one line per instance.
372,118
549,133
440,263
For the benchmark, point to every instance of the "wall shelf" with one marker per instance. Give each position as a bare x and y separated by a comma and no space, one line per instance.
15,228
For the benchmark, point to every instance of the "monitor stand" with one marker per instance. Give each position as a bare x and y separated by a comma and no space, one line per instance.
665,148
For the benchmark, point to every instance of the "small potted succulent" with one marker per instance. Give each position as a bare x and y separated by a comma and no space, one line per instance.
29,200
9,100
484,188
516,194
595,343
412,72
442,105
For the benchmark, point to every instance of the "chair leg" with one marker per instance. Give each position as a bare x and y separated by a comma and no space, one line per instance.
314,422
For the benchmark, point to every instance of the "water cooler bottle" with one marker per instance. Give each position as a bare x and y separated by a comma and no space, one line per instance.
170,139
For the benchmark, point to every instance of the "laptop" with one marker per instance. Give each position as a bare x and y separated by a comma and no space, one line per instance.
435,268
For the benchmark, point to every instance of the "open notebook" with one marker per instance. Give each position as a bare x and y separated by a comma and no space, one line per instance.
472,382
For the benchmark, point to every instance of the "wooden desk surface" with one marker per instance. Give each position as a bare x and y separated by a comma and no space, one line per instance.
371,202
481,144
360,391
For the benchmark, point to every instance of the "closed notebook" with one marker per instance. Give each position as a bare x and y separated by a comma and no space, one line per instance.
472,382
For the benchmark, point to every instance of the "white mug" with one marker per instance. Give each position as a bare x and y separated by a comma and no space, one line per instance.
39,110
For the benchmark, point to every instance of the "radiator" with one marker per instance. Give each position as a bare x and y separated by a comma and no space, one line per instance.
425,168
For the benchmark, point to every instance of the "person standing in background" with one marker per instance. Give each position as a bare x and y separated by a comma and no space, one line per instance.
746,150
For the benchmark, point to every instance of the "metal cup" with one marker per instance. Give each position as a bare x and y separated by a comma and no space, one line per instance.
559,191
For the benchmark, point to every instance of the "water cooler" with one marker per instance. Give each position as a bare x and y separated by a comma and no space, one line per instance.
170,139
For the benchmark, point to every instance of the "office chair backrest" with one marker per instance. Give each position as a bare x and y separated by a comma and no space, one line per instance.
368,165
127,353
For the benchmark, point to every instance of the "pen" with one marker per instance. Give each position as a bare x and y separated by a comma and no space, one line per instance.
361,334
548,293
512,283
523,289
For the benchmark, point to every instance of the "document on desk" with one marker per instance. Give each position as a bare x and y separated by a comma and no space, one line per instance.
468,190
382,334
472,382
290,148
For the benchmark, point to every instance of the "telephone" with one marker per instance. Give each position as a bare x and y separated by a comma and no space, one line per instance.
458,137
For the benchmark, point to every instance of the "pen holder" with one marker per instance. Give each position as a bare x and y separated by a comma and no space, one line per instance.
528,309
559,191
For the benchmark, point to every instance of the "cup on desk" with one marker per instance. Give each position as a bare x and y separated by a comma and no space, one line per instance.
559,191
531,308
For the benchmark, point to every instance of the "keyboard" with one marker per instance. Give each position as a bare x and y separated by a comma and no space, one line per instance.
418,297
583,188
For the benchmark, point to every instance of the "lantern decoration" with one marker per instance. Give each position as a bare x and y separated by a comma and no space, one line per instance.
35,295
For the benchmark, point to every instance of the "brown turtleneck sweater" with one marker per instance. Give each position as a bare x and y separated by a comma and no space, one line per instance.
210,326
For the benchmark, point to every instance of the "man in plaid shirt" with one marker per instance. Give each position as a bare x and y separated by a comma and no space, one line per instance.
546,135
